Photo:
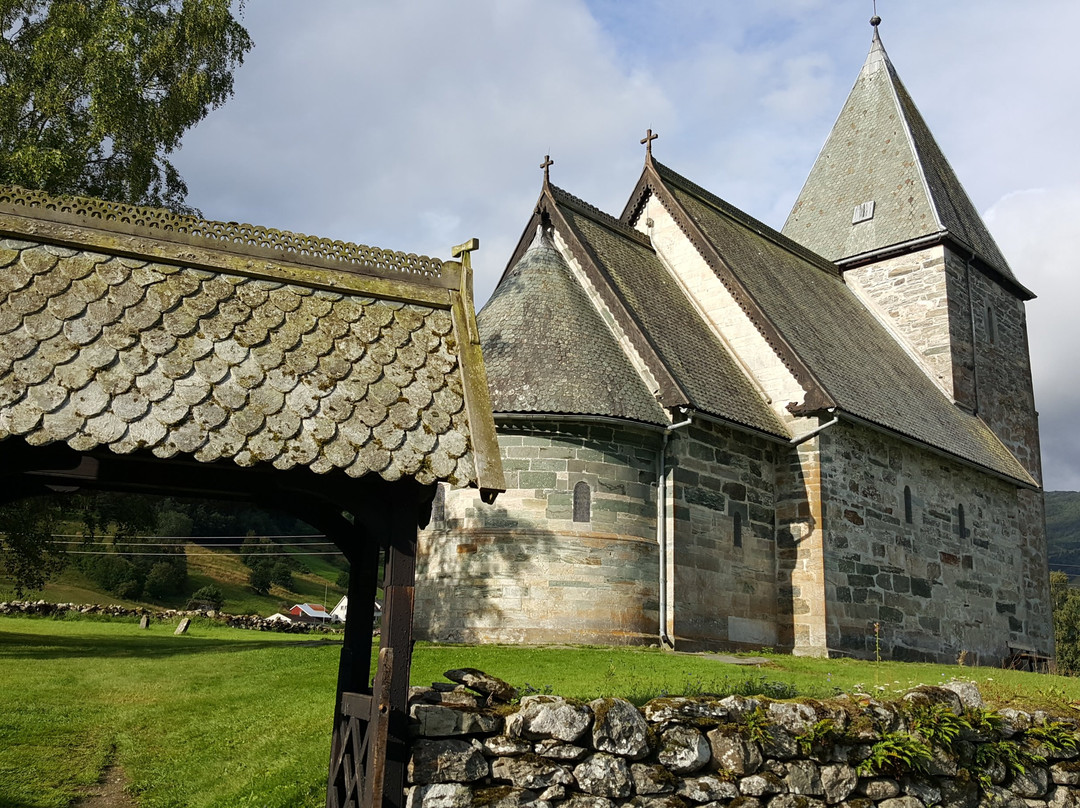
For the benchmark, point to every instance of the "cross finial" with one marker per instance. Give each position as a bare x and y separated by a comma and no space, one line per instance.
647,141
547,164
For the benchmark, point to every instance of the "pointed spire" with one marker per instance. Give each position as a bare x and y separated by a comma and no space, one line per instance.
881,181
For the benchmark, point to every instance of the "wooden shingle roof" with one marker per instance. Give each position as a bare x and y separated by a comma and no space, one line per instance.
132,329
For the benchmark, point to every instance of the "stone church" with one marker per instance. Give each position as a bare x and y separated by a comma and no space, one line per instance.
717,435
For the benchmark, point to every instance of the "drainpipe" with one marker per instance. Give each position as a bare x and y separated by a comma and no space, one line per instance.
816,430
661,526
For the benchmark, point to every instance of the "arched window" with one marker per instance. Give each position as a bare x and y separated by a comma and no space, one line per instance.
961,524
907,504
737,530
582,502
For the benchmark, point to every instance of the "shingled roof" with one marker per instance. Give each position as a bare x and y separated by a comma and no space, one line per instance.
548,350
130,329
855,365
881,154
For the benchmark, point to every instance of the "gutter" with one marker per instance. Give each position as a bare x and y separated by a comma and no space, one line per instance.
661,526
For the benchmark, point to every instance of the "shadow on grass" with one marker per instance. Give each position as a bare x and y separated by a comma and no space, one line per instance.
26,645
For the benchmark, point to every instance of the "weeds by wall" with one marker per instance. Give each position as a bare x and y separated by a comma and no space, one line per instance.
476,745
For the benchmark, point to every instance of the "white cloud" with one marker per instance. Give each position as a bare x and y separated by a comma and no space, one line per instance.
1037,230
416,125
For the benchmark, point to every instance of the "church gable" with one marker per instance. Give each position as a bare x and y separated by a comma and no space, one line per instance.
753,347
702,373
858,368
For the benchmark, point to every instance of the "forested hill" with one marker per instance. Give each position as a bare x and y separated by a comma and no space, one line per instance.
1063,531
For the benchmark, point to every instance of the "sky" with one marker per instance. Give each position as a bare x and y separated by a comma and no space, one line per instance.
416,125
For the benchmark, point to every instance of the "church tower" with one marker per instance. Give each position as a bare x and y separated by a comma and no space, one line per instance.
884,204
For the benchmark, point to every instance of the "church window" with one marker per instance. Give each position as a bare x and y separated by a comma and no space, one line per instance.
582,502
737,530
907,504
961,526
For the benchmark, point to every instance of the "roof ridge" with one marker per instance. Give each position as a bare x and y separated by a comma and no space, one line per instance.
599,216
159,223
746,220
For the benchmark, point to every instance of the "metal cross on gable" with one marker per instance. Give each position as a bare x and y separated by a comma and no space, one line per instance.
547,164
647,141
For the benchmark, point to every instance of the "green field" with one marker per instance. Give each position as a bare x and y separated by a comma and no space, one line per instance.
207,565
224,717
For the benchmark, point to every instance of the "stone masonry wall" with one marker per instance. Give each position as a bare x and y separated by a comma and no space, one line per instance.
1000,378
523,571
471,750
800,554
909,294
934,592
723,588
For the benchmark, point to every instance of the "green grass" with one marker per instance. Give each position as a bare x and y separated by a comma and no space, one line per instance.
222,717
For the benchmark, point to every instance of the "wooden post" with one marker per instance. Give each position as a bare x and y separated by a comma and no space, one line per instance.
354,664
397,634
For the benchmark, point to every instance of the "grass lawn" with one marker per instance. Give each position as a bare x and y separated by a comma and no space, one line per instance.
224,717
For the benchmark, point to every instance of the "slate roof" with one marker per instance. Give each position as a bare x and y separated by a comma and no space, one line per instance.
705,375
880,150
264,365
547,349
852,359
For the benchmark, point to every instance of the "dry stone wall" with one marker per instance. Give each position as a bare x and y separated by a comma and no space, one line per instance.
472,750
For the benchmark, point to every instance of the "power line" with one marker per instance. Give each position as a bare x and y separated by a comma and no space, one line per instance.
189,555
191,541
189,538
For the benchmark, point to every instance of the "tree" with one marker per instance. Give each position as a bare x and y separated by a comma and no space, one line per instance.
96,94
208,597
260,578
1066,602
29,554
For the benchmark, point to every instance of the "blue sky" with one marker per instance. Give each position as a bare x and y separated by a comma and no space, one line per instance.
417,125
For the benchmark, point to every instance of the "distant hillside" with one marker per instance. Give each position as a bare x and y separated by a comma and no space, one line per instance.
1063,531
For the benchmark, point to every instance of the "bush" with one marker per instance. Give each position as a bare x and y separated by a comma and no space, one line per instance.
209,597
114,574
281,575
162,580
260,578
342,580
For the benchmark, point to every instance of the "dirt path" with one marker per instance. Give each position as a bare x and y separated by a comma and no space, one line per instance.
109,791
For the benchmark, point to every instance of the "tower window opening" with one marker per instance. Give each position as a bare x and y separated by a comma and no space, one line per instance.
907,504
991,326
961,523
737,530
582,502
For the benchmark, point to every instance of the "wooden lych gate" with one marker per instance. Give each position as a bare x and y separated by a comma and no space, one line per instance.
146,352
